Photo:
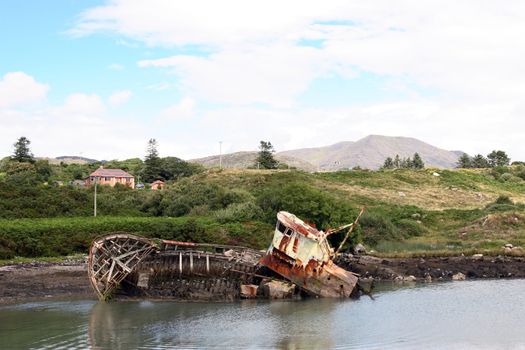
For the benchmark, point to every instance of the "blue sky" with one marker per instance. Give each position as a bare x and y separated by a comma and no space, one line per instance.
99,78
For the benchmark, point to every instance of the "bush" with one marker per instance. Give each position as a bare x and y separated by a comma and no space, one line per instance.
247,211
376,228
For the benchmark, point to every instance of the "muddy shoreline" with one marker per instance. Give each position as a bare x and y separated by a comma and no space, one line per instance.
42,281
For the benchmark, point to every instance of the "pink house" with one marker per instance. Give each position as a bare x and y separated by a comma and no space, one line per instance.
111,177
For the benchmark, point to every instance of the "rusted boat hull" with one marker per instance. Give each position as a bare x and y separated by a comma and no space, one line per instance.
299,259
123,265
328,281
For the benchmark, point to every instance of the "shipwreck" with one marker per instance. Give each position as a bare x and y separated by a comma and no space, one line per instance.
299,261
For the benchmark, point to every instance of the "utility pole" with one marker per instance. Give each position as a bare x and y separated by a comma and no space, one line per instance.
95,199
220,154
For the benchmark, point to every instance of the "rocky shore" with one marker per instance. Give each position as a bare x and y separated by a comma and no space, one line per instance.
434,268
37,281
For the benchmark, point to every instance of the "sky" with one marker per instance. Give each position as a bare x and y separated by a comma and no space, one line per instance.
100,78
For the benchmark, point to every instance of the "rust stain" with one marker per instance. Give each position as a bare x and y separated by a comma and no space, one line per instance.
295,244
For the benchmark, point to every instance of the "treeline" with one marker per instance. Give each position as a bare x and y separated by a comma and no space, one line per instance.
404,163
493,159
22,164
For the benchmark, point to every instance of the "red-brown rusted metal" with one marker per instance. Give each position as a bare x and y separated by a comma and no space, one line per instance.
303,256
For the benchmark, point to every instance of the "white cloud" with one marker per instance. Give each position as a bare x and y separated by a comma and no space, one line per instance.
245,76
467,49
119,97
181,111
82,105
18,88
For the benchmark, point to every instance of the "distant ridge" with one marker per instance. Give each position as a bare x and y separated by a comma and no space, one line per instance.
370,152
69,160
243,160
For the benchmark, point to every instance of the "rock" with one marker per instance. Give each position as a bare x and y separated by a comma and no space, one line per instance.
508,245
458,277
401,194
507,250
477,257
398,279
479,195
435,174
428,278
409,278
359,249
277,289
249,291
416,216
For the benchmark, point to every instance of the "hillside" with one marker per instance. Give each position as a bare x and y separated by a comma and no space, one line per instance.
439,212
371,151
244,160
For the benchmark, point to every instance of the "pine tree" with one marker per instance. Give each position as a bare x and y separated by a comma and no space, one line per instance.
152,163
388,164
478,161
265,158
417,162
397,161
22,152
498,158
464,161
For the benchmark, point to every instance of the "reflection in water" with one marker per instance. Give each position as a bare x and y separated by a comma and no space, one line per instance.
248,324
479,314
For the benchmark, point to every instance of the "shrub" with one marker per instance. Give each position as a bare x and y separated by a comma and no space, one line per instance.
239,212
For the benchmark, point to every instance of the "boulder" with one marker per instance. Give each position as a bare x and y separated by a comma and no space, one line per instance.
249,291
458,277
435,174
277,289
359,249
409,278
508,245
477,257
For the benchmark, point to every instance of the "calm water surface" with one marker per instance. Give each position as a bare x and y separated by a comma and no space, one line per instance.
457,315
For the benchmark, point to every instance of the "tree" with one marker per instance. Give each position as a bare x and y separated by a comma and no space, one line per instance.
417,162
397,161
479,161
406,163
265,158
152,163
464,161
498,158
22,152
388,164
173,168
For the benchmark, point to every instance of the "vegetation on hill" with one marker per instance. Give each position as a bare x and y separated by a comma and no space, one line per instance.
414,211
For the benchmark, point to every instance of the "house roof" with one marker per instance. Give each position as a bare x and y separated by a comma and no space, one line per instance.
159,182
110,173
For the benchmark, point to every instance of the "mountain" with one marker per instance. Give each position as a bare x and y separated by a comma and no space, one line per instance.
69,160
370,152
247,159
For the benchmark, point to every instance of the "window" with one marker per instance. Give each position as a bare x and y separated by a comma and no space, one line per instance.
107,178
281,227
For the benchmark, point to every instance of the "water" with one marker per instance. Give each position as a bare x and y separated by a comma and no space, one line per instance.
456,315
